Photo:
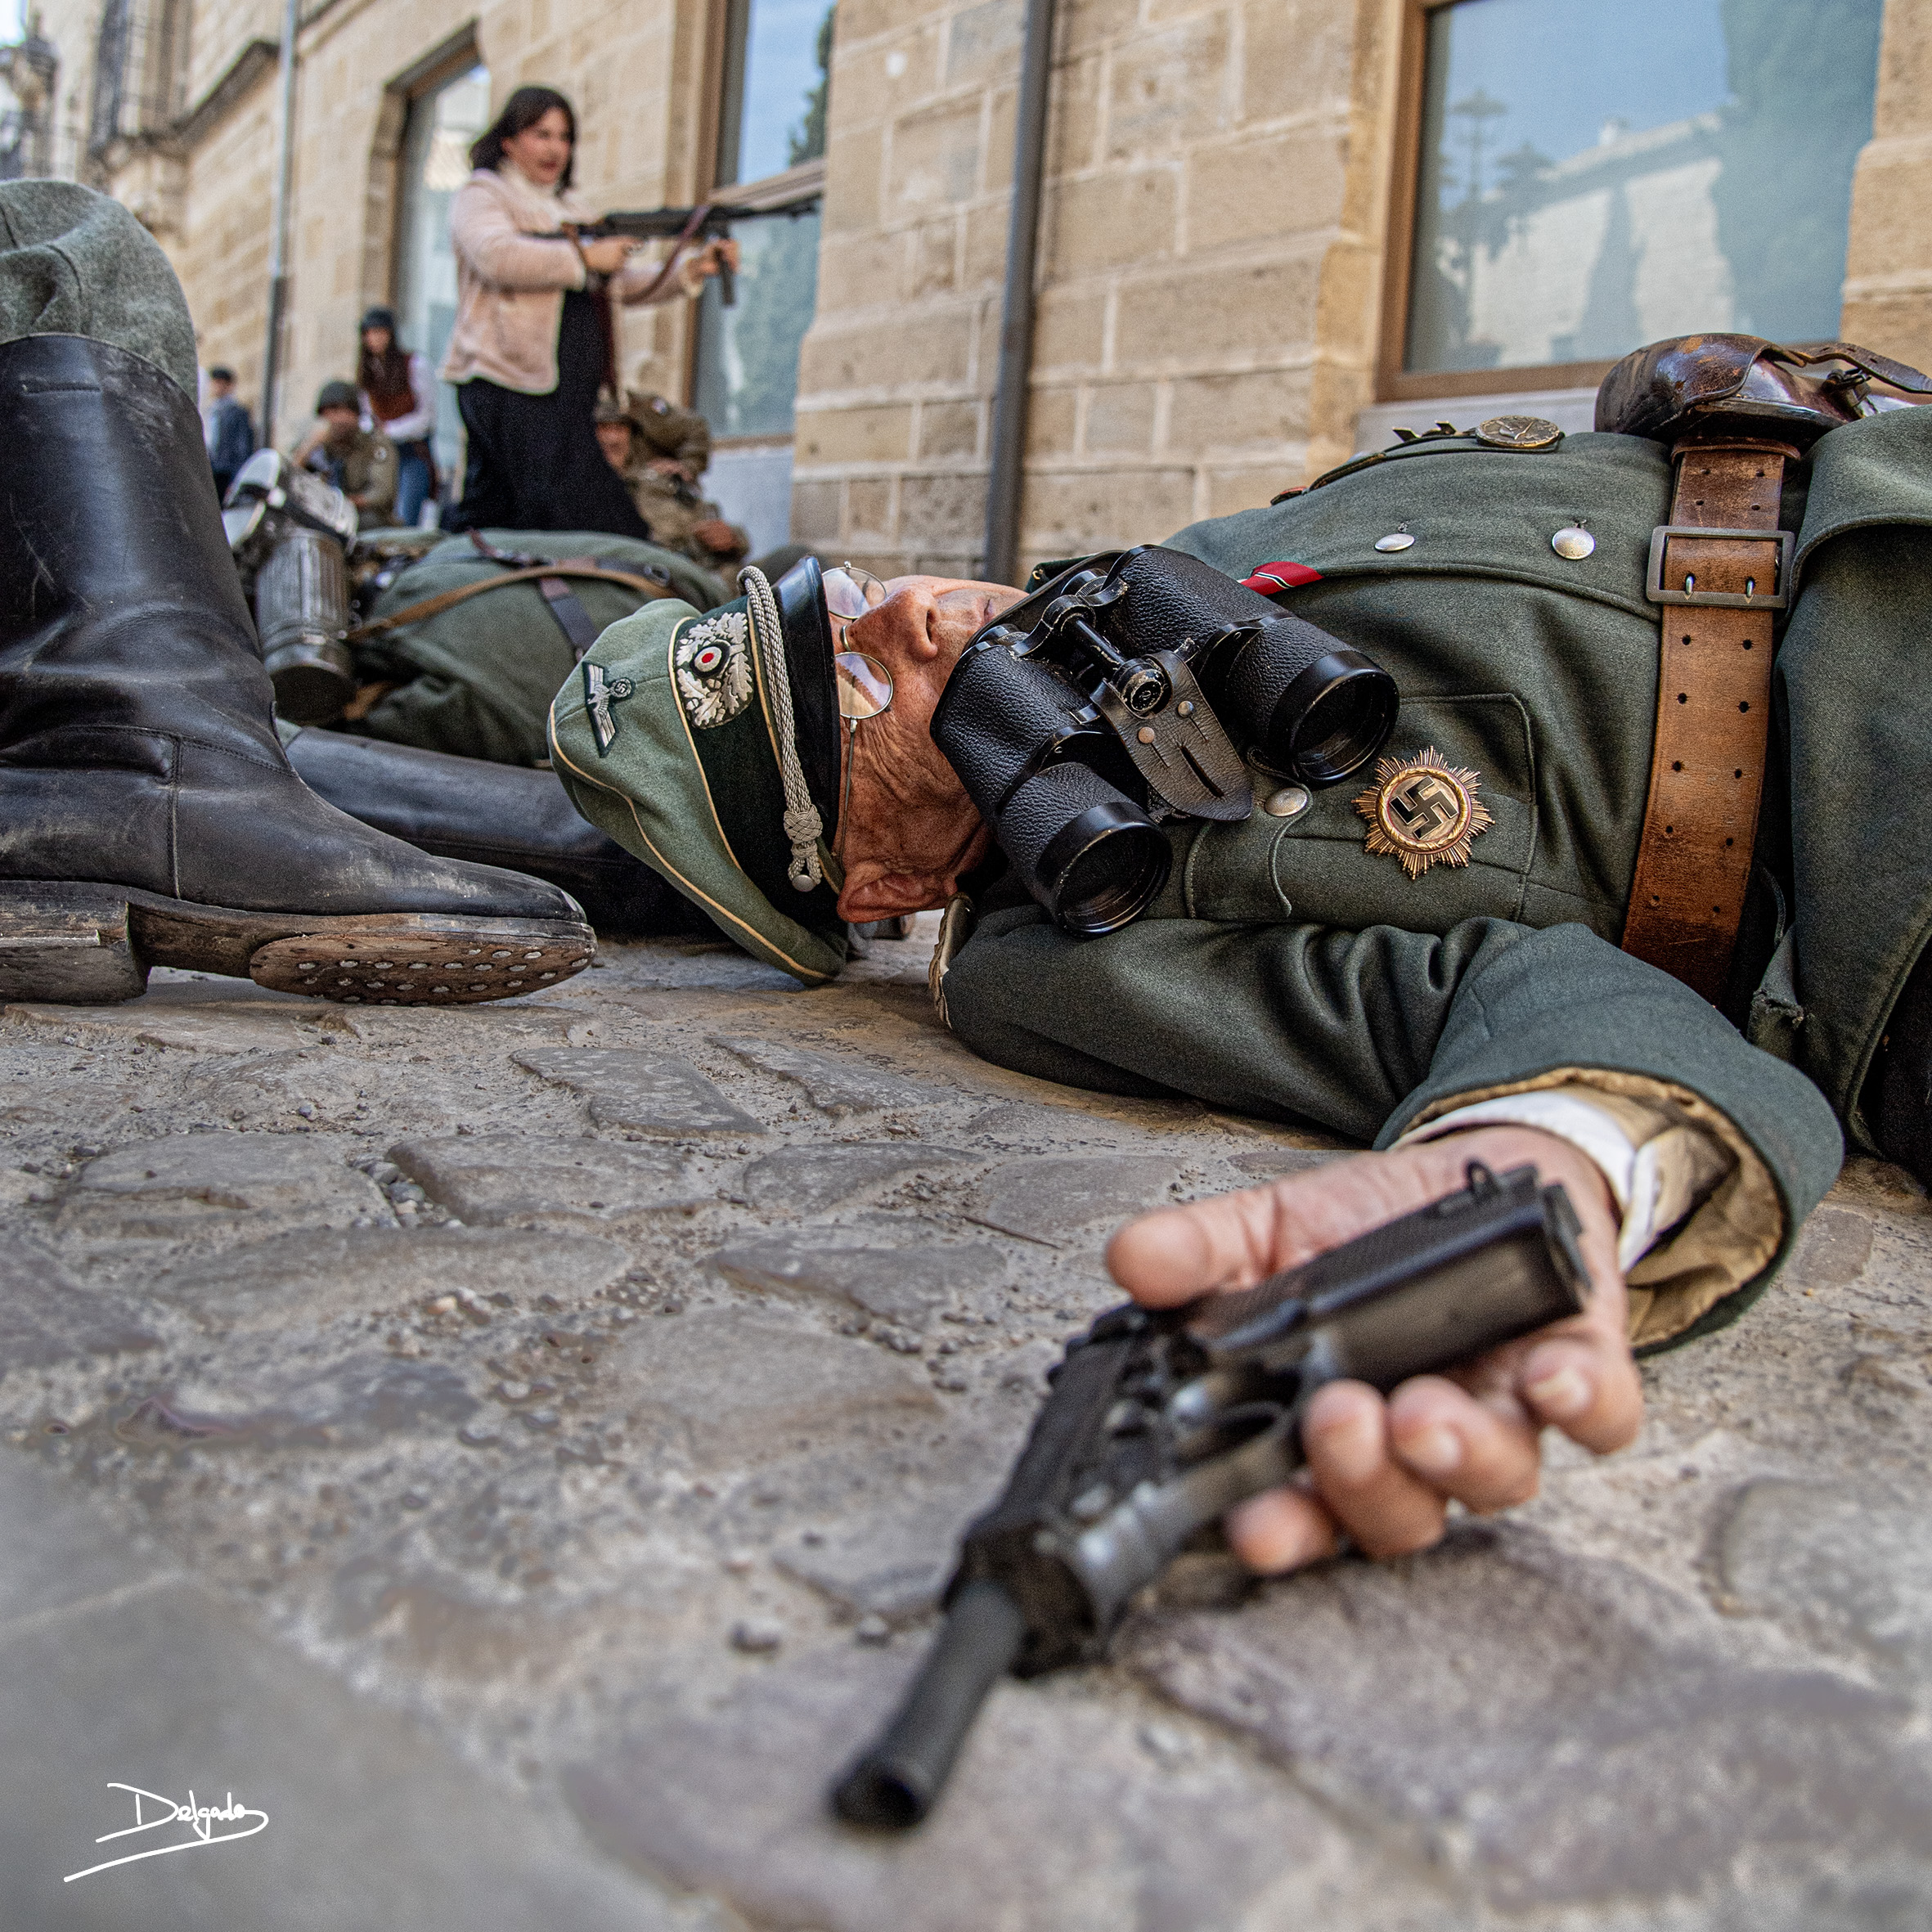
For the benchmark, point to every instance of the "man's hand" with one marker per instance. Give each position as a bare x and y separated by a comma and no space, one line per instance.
1384,1472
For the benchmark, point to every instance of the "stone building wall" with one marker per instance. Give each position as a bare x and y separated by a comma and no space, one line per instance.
632,68
1212,258
1195,237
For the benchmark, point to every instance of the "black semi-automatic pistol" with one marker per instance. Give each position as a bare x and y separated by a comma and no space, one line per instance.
1159,1423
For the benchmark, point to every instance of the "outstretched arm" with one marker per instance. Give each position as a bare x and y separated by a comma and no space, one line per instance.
1379,1032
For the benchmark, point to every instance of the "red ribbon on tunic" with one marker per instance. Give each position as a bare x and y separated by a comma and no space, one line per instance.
1270,579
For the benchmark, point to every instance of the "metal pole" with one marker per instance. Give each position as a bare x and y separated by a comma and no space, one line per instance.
1016,322
278,240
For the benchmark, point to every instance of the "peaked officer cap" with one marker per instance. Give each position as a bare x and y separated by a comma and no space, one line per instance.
709,746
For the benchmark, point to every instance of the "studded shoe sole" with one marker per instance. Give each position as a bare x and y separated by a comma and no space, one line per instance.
92,945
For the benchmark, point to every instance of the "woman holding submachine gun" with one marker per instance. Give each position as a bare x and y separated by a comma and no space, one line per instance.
534,340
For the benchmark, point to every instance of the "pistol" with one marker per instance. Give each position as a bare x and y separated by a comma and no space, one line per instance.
1158,1423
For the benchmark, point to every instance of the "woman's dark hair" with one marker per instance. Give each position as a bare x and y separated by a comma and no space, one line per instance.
524,109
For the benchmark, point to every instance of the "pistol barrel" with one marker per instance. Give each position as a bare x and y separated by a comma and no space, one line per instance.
894,1785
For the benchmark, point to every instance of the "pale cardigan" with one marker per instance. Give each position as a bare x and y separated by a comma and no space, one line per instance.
512,270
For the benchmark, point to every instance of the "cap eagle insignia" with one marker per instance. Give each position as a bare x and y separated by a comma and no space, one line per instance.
713,665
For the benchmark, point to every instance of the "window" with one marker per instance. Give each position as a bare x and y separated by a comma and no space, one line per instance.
434,164
771,125
1592,175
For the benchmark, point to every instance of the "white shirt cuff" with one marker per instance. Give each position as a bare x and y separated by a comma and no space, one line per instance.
1656,1182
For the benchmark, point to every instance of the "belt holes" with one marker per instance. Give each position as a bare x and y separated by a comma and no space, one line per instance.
1655,899
1687,638
1744,704
1677,766
1716,908
1683,697
1669,830
1747,643
1730,842
1738,773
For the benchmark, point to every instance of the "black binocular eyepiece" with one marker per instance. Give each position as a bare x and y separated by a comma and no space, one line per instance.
1125,691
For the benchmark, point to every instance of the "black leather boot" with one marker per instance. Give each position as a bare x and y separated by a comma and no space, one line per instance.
500,815
148,815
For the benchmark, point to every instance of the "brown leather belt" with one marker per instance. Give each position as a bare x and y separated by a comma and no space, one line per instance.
1720,568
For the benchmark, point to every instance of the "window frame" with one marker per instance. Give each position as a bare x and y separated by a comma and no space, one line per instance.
727,41
1393,383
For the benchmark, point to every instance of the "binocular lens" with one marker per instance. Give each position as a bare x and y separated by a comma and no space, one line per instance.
1343,708
1086,850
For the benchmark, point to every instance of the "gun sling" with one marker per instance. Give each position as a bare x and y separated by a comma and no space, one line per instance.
1720,569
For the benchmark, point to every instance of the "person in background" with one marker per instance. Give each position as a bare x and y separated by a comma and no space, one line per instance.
533,339
660,451
231,435
361,463
399,399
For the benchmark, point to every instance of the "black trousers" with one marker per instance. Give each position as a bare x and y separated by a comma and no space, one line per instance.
534,461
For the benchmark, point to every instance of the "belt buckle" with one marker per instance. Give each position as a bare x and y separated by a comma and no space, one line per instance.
1778,598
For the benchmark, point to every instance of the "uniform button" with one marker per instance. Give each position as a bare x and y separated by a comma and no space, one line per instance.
1289,802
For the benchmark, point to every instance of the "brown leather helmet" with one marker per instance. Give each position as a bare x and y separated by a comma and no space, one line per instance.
1744,385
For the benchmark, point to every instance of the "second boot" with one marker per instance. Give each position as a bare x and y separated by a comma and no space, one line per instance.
148,815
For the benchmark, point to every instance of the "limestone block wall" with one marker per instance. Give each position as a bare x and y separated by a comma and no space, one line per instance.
633,69
1888,291
1199,191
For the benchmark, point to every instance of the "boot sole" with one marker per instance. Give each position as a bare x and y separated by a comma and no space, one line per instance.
92,945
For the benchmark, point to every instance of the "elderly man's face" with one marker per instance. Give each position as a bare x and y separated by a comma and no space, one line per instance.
909,830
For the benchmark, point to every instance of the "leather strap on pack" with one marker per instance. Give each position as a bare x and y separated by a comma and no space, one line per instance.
1720,569
429,606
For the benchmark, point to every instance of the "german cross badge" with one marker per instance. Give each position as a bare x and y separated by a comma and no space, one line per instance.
1423,811
600,693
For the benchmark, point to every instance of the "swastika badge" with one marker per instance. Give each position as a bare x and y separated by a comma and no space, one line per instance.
1421,811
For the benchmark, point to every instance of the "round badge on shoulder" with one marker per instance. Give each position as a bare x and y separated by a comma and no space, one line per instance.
1518,432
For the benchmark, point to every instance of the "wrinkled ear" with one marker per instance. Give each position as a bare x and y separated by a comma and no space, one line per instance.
886,895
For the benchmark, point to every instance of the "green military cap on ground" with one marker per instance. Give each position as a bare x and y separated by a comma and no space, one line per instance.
709,746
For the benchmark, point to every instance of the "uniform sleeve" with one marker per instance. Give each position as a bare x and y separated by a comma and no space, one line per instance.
1370,1033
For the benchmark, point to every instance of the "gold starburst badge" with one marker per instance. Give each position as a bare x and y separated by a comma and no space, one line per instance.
1421,811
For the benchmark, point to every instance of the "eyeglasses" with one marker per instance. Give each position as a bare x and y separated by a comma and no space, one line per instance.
850,592
863,685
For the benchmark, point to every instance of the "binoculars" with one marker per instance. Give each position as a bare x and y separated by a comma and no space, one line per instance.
291,534
1124,691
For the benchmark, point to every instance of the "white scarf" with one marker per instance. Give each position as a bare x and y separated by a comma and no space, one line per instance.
538,210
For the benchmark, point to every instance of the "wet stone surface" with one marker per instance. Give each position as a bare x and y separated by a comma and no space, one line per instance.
561,1414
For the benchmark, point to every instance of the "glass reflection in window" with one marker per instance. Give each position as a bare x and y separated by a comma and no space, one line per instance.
1596,174
774,116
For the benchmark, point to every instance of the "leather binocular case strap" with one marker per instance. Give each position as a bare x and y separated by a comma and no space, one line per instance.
1720,584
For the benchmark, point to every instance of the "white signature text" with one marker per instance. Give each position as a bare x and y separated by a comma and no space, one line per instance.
152,1812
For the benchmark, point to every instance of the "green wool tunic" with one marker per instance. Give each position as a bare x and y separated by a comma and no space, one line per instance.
1288,971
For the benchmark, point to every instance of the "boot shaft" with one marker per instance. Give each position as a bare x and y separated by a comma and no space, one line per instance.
121,614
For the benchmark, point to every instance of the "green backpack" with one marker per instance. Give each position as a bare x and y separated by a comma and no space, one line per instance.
475,675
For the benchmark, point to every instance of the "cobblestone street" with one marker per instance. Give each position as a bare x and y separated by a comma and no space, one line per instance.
518,1448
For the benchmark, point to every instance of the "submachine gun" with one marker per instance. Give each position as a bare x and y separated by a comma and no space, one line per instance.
708,220
1157,1424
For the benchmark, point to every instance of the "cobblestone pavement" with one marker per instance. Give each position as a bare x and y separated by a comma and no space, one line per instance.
517,1449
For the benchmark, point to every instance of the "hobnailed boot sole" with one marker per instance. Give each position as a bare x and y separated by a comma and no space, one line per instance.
85,945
